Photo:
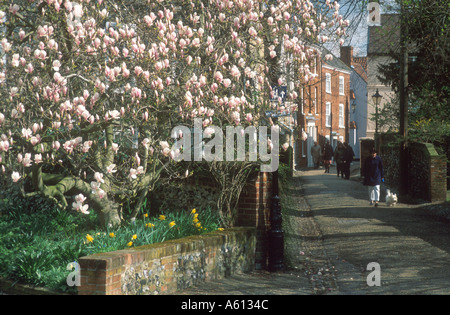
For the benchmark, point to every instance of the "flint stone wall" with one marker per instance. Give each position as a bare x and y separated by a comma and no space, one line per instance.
164,268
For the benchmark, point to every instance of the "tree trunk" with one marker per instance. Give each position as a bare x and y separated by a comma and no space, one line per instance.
57,186
109,213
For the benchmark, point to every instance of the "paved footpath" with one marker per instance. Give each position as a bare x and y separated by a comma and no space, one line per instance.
332,234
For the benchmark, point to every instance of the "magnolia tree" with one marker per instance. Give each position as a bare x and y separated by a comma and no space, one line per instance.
91,90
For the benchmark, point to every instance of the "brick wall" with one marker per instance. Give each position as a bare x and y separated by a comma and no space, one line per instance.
427,171
254,210
164,268
438,177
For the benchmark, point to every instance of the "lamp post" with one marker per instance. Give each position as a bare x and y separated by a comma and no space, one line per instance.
276,233
376,98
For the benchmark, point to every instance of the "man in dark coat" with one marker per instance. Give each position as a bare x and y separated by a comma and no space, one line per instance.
347,160
373,173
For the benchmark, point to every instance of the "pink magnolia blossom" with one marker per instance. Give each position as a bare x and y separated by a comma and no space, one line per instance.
38,158
146,143
86,146
99,177
56,145
133,173
114,114
111,169
235,73
235,116
26,161
115,147
35,140
78,206
4,145
218,77
15,176
26,133
14,8
226,83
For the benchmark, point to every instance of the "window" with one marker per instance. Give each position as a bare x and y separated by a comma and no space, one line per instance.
328,114
328,82
341,116
341,86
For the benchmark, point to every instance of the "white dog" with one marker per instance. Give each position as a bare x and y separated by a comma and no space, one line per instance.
391,199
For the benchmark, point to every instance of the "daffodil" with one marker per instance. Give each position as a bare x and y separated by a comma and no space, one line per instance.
89,238
134,237
146,215
193,211
130,244
172,223
162,217
149,225
112,234
220,229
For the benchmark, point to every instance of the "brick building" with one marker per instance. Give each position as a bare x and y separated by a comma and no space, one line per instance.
324,107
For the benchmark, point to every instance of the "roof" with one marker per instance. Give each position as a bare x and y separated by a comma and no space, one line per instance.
360,66
362,61
384,39
335,62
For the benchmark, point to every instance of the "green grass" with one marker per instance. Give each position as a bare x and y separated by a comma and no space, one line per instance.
36,246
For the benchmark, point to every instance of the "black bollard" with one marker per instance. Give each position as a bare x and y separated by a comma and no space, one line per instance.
276,237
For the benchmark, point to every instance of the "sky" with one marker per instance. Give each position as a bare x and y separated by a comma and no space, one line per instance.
356,11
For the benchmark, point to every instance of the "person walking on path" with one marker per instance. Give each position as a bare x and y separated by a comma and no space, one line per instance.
339,158
327,156
316,153
347,160
373,173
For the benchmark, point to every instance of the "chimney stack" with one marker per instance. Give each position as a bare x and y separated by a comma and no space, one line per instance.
347,55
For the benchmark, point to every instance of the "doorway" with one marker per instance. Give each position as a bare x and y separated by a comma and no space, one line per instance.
312,136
